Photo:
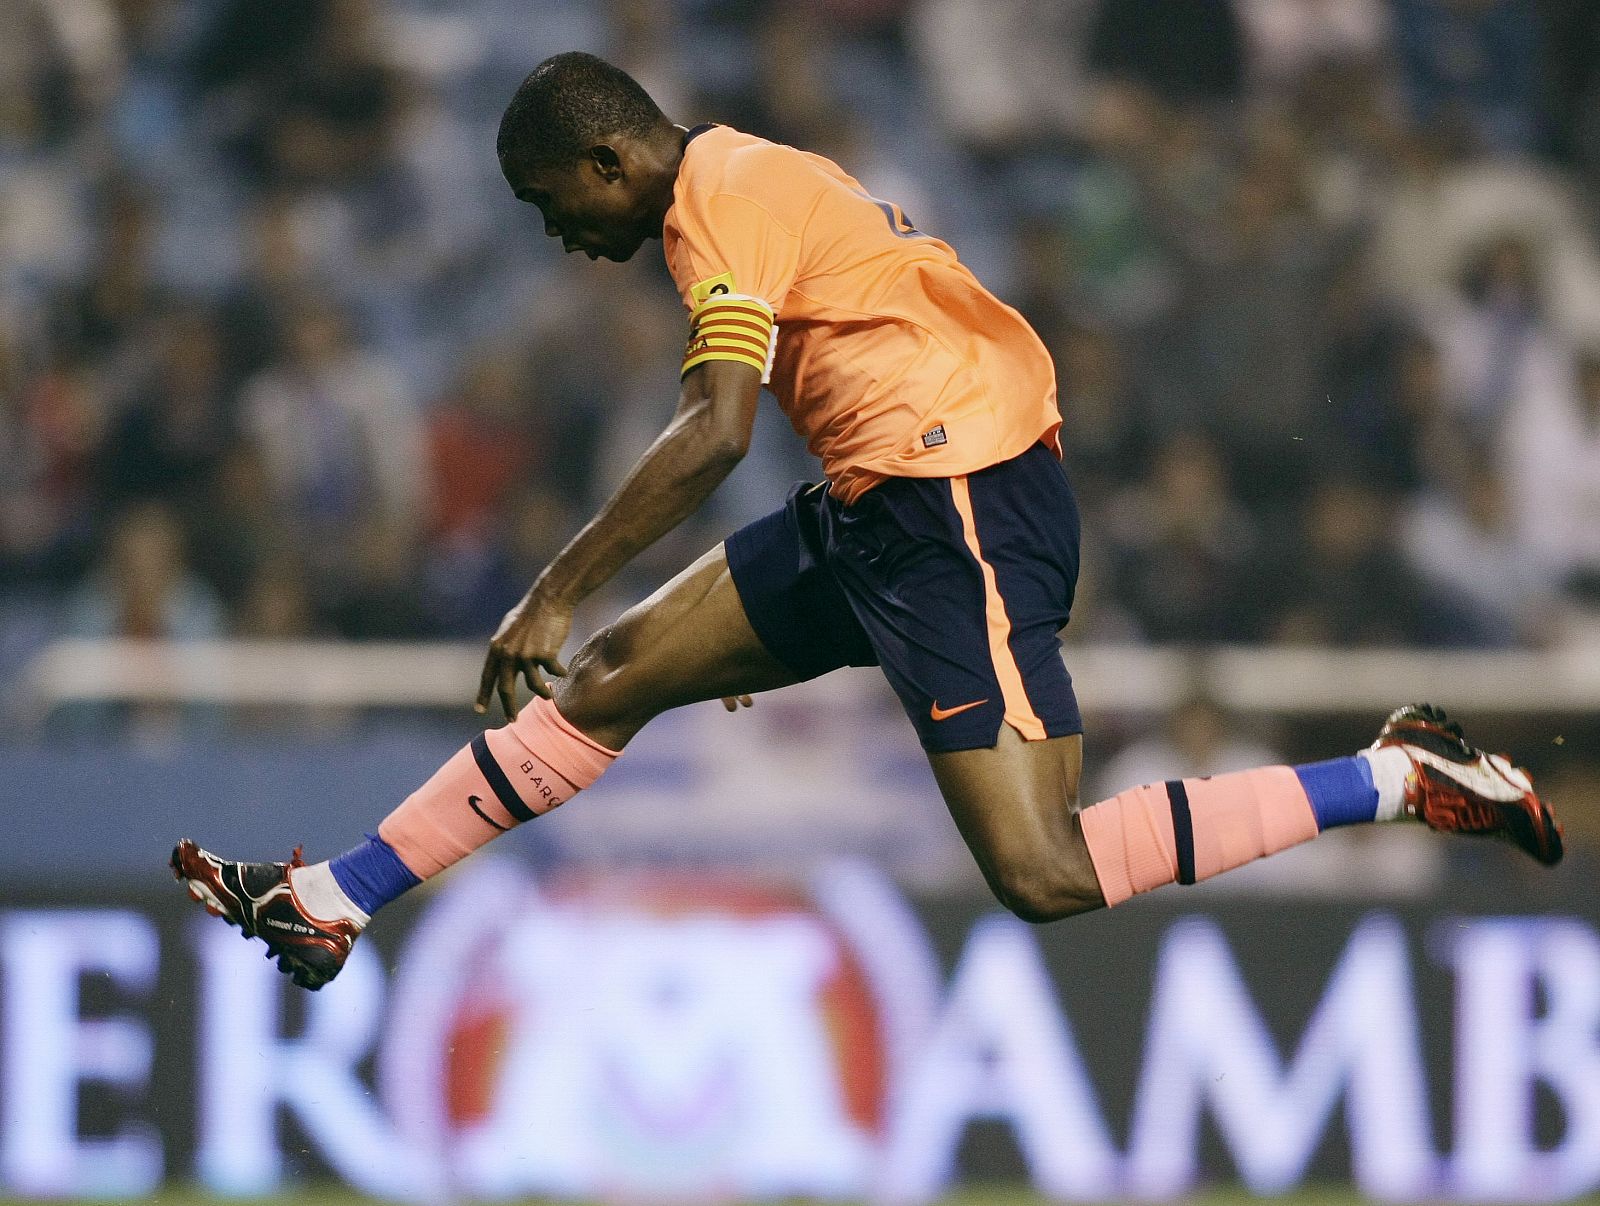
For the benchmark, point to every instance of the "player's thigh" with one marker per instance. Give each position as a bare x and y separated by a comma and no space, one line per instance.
1014,804
688,642
961,585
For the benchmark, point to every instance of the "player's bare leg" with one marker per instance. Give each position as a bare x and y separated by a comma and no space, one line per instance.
687,643
1015,806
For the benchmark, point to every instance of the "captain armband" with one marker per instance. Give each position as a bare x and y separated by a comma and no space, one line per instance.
732,326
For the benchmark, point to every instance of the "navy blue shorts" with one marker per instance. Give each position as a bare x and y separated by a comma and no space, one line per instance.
956,586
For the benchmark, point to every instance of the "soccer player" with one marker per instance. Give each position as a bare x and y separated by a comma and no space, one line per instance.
943,547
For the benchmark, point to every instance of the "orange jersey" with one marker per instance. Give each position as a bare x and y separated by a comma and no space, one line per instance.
890,359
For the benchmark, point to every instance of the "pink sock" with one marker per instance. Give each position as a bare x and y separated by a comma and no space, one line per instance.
500,779
1191,829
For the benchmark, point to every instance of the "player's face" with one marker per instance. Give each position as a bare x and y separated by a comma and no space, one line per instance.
592,207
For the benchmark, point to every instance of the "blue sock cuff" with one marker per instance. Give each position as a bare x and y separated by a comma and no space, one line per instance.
1341,791
372,874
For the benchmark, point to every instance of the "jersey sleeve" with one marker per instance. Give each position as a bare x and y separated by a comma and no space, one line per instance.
734,266
732,244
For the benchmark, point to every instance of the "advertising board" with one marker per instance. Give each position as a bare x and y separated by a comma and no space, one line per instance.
661,1036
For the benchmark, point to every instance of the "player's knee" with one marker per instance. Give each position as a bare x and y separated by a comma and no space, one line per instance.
1041,889
607,652
595,690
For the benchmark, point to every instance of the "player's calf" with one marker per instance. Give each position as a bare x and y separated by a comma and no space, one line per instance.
1187,830
310,915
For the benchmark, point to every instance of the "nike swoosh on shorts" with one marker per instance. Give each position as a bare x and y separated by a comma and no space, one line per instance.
939,713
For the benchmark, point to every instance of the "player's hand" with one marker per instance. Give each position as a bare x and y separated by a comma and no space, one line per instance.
734,702
527,643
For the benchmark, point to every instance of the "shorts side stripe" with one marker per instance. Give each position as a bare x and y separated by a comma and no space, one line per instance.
1019,712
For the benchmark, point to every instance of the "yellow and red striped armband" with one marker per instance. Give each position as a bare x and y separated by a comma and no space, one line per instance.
732,326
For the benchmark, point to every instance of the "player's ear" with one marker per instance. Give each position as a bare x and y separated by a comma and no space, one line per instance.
605,160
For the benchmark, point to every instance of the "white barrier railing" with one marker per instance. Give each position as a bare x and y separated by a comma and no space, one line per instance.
1108,677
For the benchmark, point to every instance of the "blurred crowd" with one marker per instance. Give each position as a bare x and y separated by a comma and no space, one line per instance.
280,356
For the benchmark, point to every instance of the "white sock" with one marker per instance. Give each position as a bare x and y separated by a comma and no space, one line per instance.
1391,769
322,896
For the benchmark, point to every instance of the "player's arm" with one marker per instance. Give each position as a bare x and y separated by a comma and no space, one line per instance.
709,435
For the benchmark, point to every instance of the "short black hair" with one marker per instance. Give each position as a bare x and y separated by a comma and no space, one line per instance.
569,103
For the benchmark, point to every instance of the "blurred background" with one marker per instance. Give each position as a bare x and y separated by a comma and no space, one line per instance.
295,401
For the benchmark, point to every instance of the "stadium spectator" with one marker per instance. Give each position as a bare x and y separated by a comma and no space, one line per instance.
241,527
1006,74
1480,577
1183,546
50,419
276,604
1288,39
1109,435
42,235
169,434
1553,465
1248,321
472,584
41,101
1401,429
1362,344
330,113
1148,176
338,432
482,441
96,317
1439,205
1343,110
1498,347
1345,583
1258,270
1187,53
792,97
241,54
145,92
143,588
1572,69
1475,62
377,592
276,270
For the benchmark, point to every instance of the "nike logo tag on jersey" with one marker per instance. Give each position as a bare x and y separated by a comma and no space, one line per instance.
472,803
939,713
